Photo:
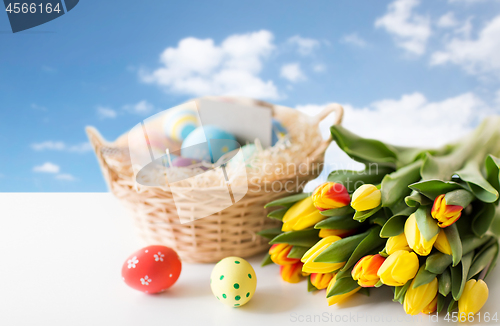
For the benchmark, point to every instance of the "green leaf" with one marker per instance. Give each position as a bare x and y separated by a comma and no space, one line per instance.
278,214
303,238
416,199
342,211
440,303
368,245
338,223
270,233
444,282
423,277
394,226
460,197
492,166
471,174
459,276
426,224
470,243
437,262
395,185
453,237
267,260
364,150
288,201
342,286
340,250
378,218
482,260
439,167
310,286
452,305
297,252
482,220
361,216
372,174
364,291
400,291
434,188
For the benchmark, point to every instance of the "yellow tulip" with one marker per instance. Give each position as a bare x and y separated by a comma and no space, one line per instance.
398,268
419,299
445,214
279,254
323,233
301,215
341,297
431,307
310,266
321,280
415,239
366,197
365,270
330,195
442,243
396,243
473,297
291,273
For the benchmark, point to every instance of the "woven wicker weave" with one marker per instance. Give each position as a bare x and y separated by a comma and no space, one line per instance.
231,232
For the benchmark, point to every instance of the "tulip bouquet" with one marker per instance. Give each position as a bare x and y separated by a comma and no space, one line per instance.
421,221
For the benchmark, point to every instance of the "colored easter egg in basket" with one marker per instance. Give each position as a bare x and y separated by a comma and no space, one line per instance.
197,144
278,131
152,269
233,281
180,122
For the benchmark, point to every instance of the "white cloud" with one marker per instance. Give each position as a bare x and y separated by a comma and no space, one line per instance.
47,167
105,112
447,20
200,67
413,120
292,72
353,39
65,177
50,145
476,56
61,146
143,107
305,46
410,30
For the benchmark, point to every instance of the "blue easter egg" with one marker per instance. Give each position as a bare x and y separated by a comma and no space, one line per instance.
195,145
180,122
278,131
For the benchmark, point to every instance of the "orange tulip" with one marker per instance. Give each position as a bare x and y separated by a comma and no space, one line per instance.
330,195
445,214
291,273
366,269
279,253
321,280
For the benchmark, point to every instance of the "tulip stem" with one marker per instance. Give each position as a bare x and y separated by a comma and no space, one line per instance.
482,275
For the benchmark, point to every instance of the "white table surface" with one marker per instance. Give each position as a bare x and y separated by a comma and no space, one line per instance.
60,262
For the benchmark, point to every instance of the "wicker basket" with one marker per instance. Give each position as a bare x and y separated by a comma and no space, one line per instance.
231,232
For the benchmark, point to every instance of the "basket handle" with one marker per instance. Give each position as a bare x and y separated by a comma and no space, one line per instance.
327,110
97,142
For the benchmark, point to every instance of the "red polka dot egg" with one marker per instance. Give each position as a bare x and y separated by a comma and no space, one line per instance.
152,269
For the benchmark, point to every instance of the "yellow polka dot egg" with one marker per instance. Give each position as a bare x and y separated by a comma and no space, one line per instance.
233,281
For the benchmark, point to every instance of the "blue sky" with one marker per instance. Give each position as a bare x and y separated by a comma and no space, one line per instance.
407,71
